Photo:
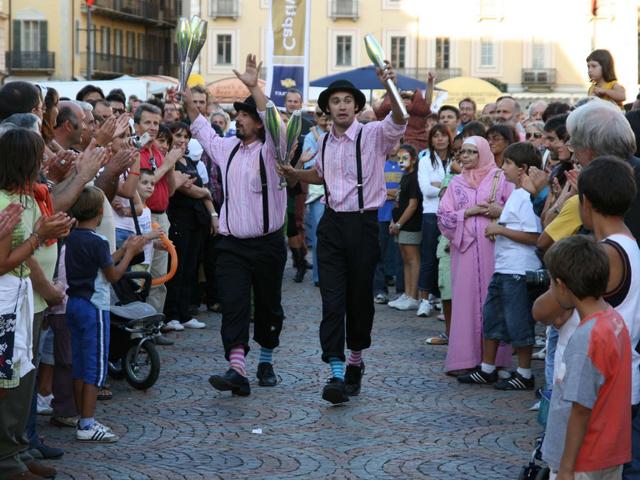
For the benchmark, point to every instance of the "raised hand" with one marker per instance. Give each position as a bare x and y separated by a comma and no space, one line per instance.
91,160
387,73
122,160
251,72
9,218
57,167
135,244
54,226
122,125
534,180
173,156
106,132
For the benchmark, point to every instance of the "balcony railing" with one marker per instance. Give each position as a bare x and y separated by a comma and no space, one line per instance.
539,77
147,11
31,61
108,65
344,9
421,73
224,9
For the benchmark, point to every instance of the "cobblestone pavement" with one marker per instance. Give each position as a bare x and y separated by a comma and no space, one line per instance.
410,421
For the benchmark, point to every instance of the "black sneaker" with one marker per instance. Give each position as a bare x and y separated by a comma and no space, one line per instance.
516,382
479,377
353,379
334,391
266,375
233,381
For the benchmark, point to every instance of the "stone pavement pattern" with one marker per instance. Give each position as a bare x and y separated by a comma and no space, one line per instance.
410,421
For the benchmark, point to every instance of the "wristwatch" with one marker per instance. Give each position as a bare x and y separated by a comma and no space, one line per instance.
398,225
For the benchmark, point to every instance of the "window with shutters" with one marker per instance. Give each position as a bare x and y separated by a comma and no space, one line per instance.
105,40
117,40
131,44
442,52
223,50
30,38
398,51
343,50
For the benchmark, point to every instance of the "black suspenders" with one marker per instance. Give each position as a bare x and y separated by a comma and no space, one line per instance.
265,194
358,171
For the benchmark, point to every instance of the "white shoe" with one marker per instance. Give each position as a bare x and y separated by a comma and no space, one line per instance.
397,301
193,323
175,325
540,355
44,405
435,302
425,308
96,433
381,298
408,304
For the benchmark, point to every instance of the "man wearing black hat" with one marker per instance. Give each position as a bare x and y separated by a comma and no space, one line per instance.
351,167
251,250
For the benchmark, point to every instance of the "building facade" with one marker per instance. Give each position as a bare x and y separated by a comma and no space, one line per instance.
528,48
47,39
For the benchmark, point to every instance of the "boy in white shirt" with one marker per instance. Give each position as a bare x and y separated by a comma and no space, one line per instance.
507,307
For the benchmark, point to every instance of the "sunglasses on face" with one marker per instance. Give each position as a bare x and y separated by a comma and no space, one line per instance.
319,114
536,135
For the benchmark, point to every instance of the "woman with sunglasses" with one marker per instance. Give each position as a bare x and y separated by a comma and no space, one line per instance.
472,201
534,133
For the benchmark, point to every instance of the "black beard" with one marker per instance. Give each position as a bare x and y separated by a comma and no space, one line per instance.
241,136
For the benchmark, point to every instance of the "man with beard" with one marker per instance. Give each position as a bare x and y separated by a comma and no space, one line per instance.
251,250
508,111
351,165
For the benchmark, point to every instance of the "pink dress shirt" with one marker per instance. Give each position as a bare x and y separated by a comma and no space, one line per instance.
243,193
339,166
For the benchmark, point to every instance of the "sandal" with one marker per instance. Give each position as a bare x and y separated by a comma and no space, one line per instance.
441,339
105,394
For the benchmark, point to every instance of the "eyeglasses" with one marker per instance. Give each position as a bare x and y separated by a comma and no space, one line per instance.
528,135
468,151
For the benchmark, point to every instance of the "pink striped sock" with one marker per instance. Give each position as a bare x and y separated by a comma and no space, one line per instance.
236,360
355,358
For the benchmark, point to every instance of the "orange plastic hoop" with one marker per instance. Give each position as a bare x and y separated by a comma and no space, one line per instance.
173,255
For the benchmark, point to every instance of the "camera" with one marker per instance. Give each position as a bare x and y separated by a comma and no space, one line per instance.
140,142
537,278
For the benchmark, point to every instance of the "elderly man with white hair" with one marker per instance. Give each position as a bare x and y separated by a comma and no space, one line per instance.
536,109
596,129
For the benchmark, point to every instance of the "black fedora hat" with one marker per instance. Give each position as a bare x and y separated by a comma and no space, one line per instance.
249,106
341,86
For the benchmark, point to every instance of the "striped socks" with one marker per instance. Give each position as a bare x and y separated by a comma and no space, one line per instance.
337,368
236,360
355,358
266,355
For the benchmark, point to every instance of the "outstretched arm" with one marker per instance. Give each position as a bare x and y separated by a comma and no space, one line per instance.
250,79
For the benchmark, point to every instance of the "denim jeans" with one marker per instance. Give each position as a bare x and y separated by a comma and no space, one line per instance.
631,470
122,235
428,279
315,212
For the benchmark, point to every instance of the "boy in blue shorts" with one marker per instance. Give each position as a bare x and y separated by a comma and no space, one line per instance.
506,314
90,268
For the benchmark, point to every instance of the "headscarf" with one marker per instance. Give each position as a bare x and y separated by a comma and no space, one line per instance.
486,162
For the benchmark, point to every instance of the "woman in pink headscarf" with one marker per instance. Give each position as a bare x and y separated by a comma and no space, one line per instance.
471,202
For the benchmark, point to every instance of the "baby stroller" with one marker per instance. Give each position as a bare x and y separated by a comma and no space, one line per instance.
132,353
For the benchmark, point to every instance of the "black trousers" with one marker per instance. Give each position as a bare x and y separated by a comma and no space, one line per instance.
244,264
348,252
180,288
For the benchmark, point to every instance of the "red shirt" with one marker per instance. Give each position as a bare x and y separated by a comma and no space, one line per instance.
159,201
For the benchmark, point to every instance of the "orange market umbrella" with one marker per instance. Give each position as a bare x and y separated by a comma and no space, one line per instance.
229,90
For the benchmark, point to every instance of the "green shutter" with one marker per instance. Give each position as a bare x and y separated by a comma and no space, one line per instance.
44,41
17,24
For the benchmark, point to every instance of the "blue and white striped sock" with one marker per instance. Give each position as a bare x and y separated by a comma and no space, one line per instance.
266,355
337,368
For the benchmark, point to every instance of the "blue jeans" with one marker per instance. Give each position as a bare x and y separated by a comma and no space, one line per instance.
552,342
390,263
122,235
315,212
428,279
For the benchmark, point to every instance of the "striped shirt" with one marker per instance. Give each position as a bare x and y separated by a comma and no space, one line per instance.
378,139
244,191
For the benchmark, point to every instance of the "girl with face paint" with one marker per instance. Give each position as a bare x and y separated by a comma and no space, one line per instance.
406,226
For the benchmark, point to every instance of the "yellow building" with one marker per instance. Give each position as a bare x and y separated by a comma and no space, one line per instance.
48,38
529,48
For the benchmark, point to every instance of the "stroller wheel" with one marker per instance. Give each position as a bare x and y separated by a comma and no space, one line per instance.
142,366
116,371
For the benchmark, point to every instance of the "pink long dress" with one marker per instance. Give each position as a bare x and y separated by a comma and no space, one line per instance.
472,265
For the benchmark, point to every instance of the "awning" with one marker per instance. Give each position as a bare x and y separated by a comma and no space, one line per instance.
365,78
480,91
